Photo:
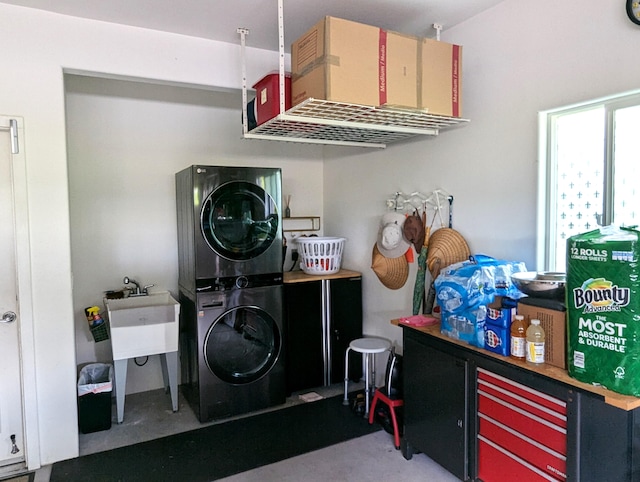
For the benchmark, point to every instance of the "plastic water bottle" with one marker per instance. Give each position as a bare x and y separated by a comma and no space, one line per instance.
518,337
535,343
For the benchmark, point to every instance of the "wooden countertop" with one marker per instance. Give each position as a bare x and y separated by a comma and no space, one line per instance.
301,276
625,402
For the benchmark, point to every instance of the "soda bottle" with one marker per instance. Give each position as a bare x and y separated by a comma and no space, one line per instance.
535,343
518,337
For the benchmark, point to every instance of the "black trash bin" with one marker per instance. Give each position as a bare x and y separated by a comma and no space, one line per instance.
95,385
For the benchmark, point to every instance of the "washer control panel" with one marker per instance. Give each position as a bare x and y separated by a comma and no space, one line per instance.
238,282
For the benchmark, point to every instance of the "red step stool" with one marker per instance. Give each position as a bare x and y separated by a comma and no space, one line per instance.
392,403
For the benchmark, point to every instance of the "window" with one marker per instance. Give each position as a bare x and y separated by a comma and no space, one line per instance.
588,173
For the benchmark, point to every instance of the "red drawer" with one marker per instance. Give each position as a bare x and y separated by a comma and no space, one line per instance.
496,464
526,398
523,404
540,456
523,422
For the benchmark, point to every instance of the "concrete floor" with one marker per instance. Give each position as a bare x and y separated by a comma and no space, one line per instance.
373,457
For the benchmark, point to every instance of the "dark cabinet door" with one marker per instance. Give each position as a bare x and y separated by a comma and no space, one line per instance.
436,405
303,335
309,343
346,325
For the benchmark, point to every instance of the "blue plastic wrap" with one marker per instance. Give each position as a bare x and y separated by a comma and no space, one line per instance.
463,291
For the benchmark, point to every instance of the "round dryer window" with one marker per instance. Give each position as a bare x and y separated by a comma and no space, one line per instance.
239,220
242,345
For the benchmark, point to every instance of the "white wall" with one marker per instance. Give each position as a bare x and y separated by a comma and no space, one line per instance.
125,142
518,58
36,48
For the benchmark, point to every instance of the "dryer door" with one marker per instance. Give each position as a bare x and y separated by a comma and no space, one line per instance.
242,345
239,220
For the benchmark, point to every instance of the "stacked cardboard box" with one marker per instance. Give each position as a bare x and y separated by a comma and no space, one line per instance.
440,77
552,316
343,61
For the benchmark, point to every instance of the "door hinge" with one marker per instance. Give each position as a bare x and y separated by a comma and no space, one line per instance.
13,126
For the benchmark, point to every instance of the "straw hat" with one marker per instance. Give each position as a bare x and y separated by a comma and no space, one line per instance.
391,242
392,272
446,246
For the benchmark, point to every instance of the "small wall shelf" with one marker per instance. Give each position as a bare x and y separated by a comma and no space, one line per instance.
301,223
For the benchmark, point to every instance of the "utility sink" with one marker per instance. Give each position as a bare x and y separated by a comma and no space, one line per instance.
143,325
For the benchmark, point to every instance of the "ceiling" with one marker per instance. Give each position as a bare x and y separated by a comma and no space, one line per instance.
219,19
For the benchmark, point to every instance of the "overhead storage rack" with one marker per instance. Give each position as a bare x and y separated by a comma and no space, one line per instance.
337,123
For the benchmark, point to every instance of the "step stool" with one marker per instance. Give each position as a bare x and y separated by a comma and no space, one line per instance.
366,346
392,403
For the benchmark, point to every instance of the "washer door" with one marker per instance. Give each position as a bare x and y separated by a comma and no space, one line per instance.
242,345
239,220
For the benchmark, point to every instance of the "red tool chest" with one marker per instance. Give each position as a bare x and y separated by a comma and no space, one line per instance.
521,431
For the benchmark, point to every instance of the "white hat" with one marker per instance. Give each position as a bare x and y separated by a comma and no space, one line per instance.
391,241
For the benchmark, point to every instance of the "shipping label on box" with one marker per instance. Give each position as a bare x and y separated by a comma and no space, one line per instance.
343,61
440,78
398,84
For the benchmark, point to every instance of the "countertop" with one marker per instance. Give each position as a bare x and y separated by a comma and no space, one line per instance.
625,402
301,276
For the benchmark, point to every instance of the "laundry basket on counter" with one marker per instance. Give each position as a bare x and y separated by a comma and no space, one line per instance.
320,255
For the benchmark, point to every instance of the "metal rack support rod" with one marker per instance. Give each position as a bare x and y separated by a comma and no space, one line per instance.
243,36
281,54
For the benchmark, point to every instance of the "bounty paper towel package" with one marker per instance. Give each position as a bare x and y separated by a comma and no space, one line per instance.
603,308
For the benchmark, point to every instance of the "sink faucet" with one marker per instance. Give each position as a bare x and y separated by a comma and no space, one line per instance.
137,292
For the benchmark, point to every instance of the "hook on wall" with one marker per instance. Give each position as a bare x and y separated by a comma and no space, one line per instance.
436,201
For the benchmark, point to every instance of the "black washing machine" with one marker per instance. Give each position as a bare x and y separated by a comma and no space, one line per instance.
232,348
230,279
229,222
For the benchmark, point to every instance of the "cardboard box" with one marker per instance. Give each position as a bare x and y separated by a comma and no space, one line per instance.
552,316
267,102
343,61
440,78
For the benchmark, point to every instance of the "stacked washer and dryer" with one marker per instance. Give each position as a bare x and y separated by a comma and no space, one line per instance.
230,249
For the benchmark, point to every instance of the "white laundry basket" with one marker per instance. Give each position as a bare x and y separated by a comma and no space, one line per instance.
320,255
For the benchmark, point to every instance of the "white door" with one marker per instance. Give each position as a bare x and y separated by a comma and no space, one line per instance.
12,452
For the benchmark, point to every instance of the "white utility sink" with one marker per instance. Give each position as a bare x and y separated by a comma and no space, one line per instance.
143,325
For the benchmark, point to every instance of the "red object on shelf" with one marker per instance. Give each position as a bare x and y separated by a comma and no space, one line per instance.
267,101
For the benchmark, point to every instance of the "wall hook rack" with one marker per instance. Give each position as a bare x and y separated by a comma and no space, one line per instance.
436,201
